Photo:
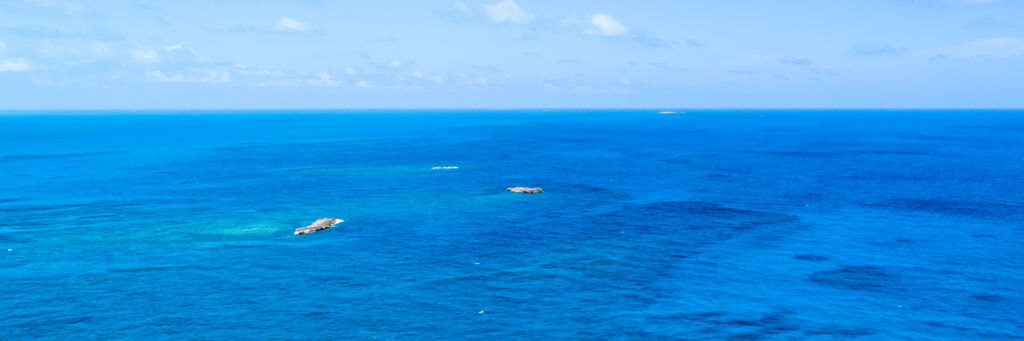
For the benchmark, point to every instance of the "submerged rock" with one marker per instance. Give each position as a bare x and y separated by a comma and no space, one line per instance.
519,189
319,224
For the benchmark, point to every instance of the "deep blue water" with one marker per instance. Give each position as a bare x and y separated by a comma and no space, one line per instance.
903,225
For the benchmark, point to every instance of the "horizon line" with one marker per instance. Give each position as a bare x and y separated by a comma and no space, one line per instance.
3,111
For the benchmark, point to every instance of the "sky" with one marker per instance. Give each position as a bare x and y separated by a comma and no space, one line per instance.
320,54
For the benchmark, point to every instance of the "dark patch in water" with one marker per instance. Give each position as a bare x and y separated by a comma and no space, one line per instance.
889,176
317,314
930,138
91,207
51,322
684,228
746,336
10,238
812,258
243,246
992,128
26,157
156,268
887,152
953,207
840,331
938,324
757,327
706,316
835,153
988,297
589,195
863,277
695,214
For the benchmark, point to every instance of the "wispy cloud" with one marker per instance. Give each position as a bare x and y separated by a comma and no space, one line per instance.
646,39
177,53
291,25
144,56
14,65
325,79
669,68
874,50
999,47
174,47
507,11
458,11
209,76
597,24
58,6
487,68
462,9
795,61
975,2
606,24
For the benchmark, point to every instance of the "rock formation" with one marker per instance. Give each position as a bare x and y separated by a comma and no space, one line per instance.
518,189
319,224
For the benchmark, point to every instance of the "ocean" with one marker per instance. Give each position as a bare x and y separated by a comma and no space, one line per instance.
699,225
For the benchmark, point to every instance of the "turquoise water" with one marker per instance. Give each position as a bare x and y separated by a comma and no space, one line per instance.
705,225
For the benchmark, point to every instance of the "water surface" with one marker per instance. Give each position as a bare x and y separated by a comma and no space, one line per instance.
711,224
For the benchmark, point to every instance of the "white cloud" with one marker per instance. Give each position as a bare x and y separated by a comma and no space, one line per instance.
325,79
976,2
14,65
177,54
597,24
417,74
174,47
395,64
2,48
1000,47
795,61
463,9
144,56
605,24
507,11
160,76
58,5
364,84
291,25
209,76
83,50
572,21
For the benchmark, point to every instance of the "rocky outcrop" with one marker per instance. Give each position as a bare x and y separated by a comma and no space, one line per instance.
319,224
518,189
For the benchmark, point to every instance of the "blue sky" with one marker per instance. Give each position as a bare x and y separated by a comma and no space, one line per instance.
65,54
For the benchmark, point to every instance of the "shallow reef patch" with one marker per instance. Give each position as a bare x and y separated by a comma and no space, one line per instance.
856,277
